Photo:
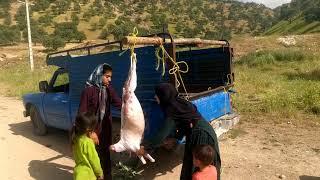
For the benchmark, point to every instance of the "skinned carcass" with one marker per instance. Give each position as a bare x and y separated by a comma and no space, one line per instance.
132,117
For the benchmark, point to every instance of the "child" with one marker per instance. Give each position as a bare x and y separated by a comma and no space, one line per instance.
203,158
85,155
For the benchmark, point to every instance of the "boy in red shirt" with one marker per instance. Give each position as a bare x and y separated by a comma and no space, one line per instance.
202,158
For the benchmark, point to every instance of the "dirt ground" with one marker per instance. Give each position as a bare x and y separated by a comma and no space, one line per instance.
285,150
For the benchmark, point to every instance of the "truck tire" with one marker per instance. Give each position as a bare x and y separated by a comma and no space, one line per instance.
39,127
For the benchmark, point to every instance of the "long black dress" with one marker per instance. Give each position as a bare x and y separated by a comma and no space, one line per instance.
202,133
187,122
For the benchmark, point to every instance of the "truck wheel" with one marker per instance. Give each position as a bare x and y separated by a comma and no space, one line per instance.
39,128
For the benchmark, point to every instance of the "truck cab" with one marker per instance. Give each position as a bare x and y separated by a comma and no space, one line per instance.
51,106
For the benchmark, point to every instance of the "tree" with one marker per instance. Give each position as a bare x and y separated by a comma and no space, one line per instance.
4,8
68,31
313,14
53,42
74,18
9,34
37,34
97,7
7,20
188,32
87,16
179,27
62,6
143,31
102,22
76,7
80,36
224,33
20,17
211,35
41,5
122,29
46,20
286,13
64,31
159,22
104,34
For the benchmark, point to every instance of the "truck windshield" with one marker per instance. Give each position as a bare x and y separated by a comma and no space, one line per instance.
61,83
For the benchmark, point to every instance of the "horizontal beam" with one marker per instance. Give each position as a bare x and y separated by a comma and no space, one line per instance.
130,40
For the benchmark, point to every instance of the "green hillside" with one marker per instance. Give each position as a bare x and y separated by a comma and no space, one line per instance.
296,26
56,20
297,17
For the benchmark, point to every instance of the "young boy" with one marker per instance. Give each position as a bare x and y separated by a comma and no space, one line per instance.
202,158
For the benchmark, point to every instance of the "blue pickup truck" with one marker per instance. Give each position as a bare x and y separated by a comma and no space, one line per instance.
208,82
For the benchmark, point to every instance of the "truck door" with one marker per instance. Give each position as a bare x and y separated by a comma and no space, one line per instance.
56,102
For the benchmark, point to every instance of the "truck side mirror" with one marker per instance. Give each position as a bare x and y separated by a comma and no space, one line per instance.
43,86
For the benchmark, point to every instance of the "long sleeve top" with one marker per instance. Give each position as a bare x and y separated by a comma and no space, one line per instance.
89,100
87,160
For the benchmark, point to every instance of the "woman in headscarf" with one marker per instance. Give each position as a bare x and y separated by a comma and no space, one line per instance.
188,122
97,98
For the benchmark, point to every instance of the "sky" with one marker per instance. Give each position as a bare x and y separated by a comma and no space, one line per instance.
269,3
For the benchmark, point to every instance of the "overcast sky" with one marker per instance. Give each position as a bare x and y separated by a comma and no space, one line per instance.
269,3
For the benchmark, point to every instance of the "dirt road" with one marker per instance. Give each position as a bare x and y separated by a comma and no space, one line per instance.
26,156
267,150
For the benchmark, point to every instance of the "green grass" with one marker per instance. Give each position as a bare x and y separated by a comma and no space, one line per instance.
284,82
273,57
296,26
17,79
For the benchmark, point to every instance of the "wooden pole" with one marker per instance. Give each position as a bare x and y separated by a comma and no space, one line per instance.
198,41
142,40
157,41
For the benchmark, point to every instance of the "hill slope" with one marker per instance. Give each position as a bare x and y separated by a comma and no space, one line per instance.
297,17
296,26
213,19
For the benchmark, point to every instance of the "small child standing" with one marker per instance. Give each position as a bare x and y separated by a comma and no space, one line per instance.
203,158
87,161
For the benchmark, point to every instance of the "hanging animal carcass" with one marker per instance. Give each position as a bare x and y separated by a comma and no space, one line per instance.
132,117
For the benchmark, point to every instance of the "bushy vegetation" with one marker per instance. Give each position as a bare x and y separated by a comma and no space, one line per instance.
310,9
4,6
114,19
9,35
282,82
297,17
267,57
19,80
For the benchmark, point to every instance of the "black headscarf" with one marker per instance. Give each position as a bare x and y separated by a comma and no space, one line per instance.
181,111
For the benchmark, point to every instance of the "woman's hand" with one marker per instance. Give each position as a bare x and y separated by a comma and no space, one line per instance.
94,137
169,143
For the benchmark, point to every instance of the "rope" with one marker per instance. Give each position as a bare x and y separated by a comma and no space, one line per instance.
175,70
225,102
133,34
159,59
131,47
